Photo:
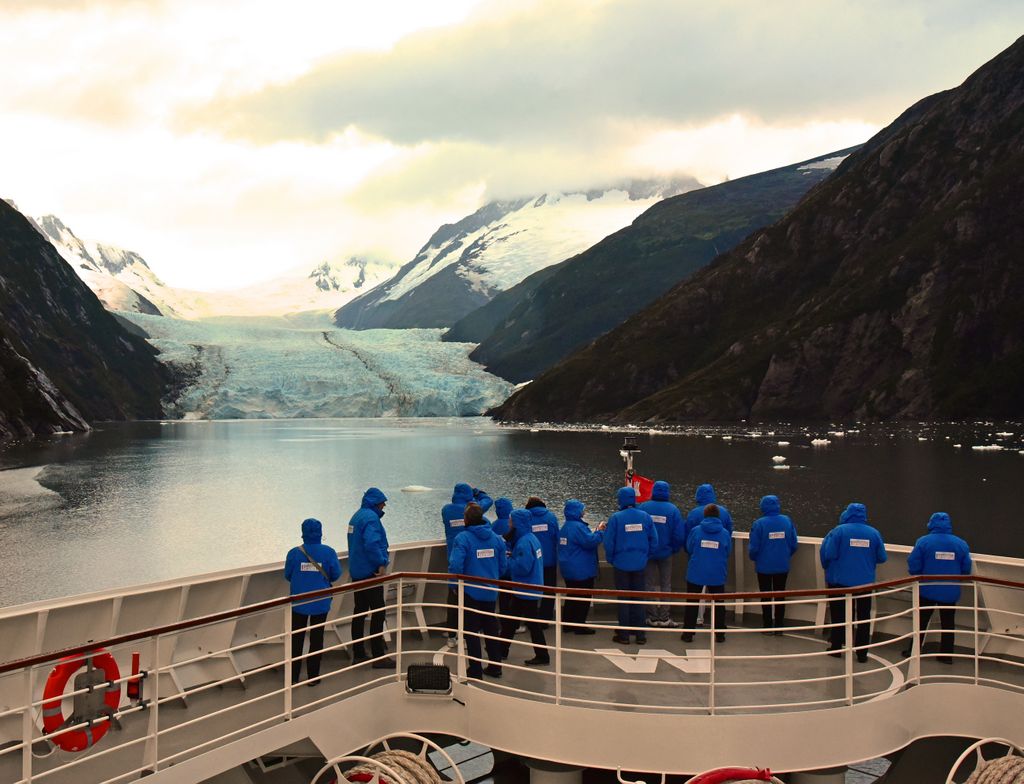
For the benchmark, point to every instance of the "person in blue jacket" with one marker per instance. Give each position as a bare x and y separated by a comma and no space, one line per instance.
669,525
368,557
706,495
577,560
545,527
502,511
939,552
312,566
849,554
525,565
629,539
709,545
454,524
772,544
479,552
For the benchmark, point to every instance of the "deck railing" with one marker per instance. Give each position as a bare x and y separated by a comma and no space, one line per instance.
743,671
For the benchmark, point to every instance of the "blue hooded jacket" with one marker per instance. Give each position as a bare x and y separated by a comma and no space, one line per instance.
503,509
709,546
367,540
545,527
668,522
772,539
851,550
526,564
479,552
451,514
304,576
629,537
940,552
577,544
706,495
481,499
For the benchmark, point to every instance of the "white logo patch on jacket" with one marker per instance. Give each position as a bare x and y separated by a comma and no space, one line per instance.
710,544
860,543
944,556
540,554
487,553
777,535
308,567
659,518
456,523
563,541
631,527
540,527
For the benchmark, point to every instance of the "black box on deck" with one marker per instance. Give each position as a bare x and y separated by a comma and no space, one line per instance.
428,679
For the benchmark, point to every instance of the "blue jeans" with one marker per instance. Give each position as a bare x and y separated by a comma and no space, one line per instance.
630,614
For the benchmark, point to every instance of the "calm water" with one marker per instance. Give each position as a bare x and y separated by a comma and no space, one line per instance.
135,503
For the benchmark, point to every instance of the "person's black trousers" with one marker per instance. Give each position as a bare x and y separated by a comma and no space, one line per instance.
525,609
576,610
690,613
772,582
368,600
300,623
547,603
478,616
451,620
947,618
861,621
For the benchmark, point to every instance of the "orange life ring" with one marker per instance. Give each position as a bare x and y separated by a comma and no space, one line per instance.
53,695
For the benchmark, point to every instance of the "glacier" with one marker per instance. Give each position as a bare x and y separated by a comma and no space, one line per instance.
259,368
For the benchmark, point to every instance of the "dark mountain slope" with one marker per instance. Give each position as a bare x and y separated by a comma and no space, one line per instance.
598,289
893,290
64,359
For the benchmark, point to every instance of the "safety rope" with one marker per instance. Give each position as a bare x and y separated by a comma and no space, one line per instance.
413,769
1005,770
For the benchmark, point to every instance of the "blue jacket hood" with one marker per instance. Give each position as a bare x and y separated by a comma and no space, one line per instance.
940,524
705,495
522,519
711,524
854,513
660,491
503,508
481,532
372,497
312,531
573,509
626,497
770,505
463,494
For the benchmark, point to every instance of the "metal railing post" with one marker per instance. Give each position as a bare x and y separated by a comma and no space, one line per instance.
153,733
398,631
711,677
460,646
288,663
28,726
558,648
977,637
914,673
848,651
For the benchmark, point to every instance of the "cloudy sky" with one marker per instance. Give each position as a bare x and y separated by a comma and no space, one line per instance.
229,140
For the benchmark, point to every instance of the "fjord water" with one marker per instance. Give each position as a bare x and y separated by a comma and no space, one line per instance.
132,503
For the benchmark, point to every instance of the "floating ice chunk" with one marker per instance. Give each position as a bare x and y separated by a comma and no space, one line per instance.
921,438
1004,435
534,429
836,433
781,467
727,438
783,443
957,446
416,489
989,448
820,442
778,459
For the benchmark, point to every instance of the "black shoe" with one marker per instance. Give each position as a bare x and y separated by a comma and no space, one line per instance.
862,656
777,632
620,639
944,659
687,637
314,682
358,658
585,631
641,639
384,664
476,676
537,661
492,670
906,653
719,637
835,653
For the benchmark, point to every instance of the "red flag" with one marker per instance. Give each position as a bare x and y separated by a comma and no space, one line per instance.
643,487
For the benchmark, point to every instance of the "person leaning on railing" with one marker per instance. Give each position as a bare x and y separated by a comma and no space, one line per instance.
525,565
709,545
772,543
849,554
454,524
671,530
577,560
368,557
544,525
939,552
629,538
312,566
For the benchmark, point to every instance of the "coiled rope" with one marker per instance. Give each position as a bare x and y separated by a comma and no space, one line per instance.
1005,770
411,769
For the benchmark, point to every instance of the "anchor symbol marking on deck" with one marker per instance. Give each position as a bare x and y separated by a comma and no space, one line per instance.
646,662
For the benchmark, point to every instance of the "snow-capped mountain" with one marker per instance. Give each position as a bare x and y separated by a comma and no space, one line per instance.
463,265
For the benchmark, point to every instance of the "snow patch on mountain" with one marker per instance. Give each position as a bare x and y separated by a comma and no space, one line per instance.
830,164
258,368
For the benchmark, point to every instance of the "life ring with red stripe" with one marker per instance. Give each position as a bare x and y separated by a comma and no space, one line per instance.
53,695
721,775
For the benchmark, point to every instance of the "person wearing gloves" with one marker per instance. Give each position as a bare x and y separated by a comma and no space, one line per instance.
312,566
479,552
669,525
939,552
772,544
577,560
709,545
481,499
849,554
368,557
706,495
525,565
629,539
503,511
545,527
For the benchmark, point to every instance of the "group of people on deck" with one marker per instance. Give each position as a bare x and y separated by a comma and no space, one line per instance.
641,541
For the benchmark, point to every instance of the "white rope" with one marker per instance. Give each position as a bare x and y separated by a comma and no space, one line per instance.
1005,770
413,769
